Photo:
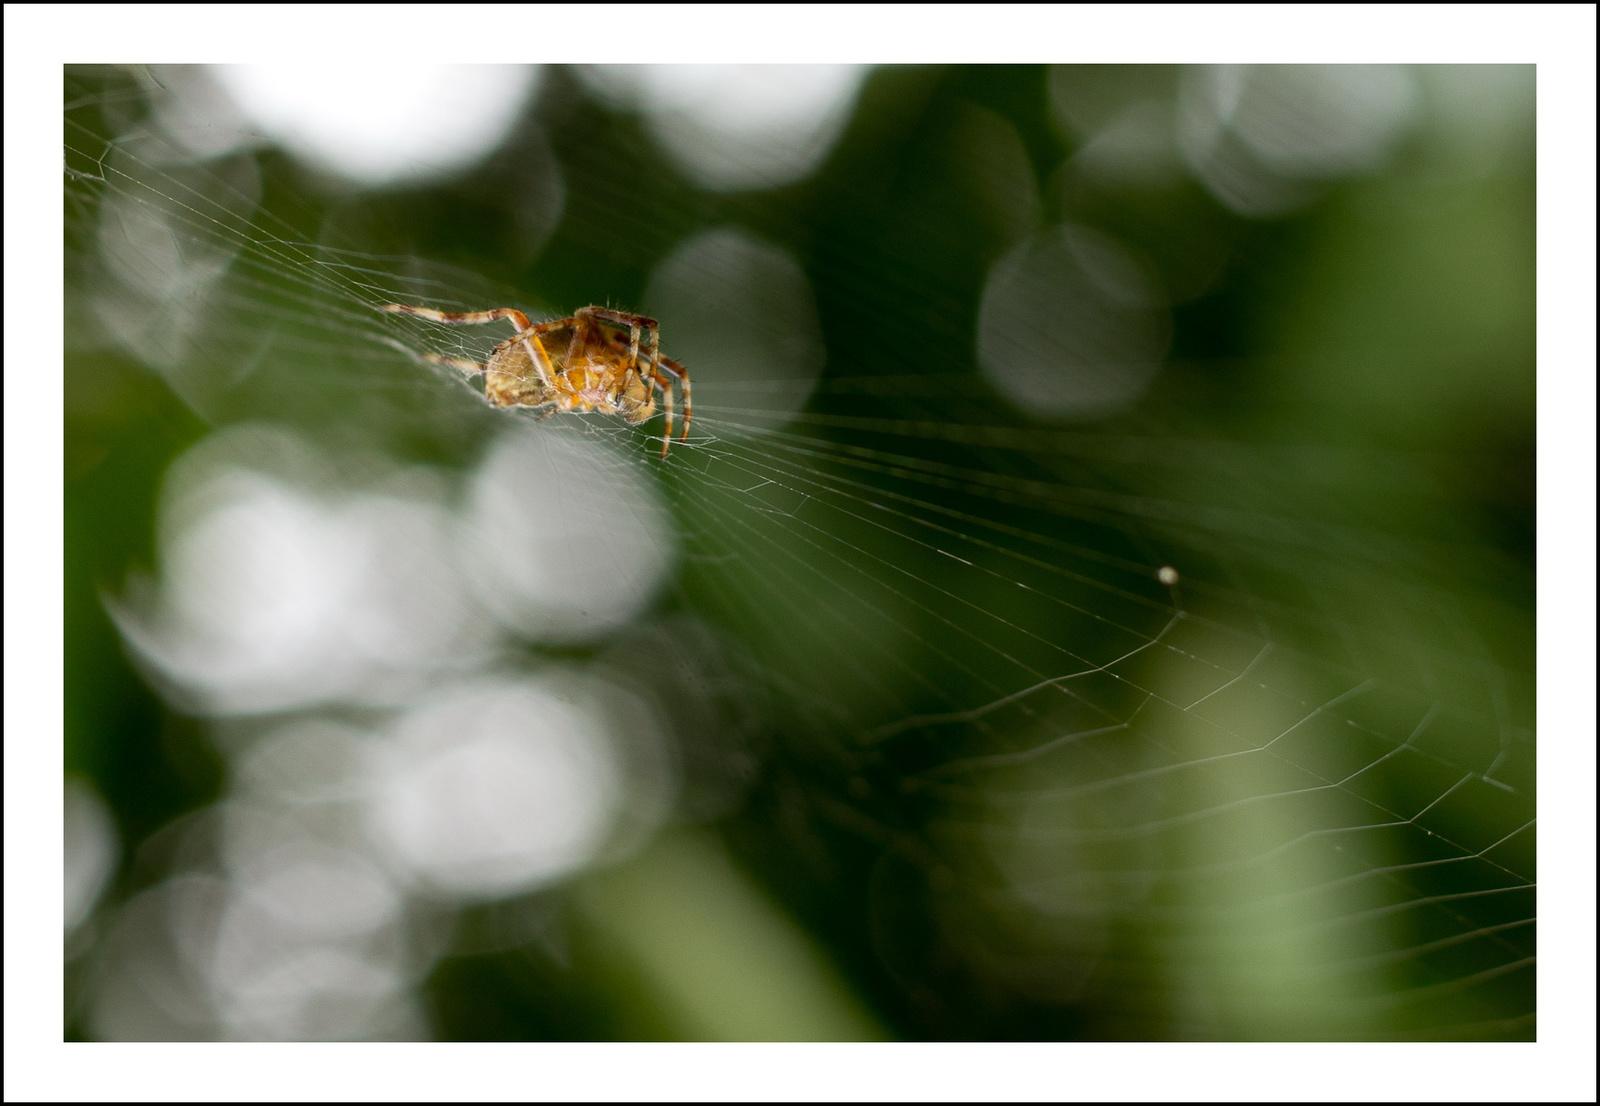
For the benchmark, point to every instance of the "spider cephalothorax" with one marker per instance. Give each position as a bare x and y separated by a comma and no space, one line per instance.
588,362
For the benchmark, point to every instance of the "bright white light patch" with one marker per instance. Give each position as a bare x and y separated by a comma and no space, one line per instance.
276,595
495,788
1069,326
382,123
309,994
91,850
743,315
1259,137
564,539
733,127
311,889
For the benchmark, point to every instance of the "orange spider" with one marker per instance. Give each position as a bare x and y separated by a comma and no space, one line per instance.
593,367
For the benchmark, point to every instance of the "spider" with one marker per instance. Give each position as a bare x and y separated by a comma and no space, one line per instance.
581,363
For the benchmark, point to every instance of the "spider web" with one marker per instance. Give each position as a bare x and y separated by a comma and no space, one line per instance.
1176,730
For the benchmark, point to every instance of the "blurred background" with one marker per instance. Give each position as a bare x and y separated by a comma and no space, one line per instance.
1093,601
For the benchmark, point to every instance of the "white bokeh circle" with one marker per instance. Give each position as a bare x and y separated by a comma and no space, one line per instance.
1070,326
563,538
735,127
380,122
495,788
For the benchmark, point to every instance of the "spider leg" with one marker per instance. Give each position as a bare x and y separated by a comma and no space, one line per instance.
654,353
682,374
580,340
526,332
436,359
633,348
654,350
520,320
665,387
529,336
469,367
621,319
